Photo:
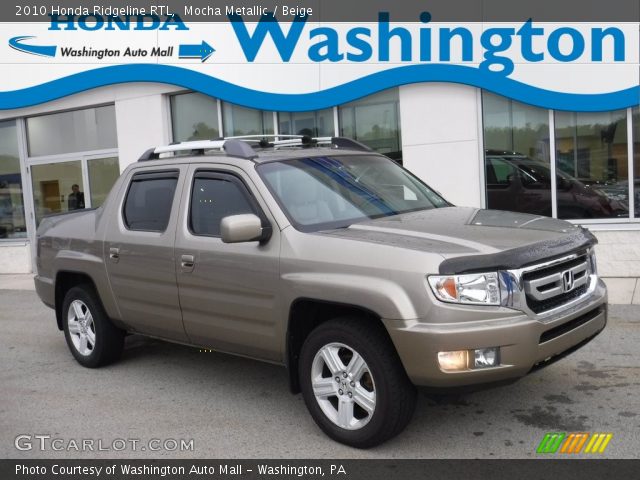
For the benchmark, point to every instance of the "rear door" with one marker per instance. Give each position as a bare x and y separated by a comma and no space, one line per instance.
228,292
140,252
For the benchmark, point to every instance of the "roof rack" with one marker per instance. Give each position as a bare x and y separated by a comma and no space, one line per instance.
244,146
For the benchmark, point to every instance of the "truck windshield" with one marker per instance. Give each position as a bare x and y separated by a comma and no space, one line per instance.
319,193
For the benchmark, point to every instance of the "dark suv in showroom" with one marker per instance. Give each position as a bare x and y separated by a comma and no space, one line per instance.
518,183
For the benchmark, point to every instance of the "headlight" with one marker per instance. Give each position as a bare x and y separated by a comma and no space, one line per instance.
472,289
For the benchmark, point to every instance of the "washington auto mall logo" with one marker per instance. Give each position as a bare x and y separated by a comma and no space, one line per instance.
89,23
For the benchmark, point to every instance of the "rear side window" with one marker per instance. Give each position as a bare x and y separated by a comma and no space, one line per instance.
215,196
149,200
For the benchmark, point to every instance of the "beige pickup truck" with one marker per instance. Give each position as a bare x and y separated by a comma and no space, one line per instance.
329,259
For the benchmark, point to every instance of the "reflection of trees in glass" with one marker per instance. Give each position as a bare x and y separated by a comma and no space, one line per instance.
239,121
378,132
382,139
202,131
592,146
515,127
239,132
509,138
374,121
194,117
308,132
531,140
315,124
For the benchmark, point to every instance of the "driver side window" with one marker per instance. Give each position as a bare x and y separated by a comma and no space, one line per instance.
214,197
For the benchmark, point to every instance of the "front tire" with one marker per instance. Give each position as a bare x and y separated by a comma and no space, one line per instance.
93,340
353,383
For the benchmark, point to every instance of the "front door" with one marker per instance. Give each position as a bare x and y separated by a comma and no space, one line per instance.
228,292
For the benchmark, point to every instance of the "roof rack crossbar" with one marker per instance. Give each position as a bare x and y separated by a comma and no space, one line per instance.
243,146
259,137
297,142
196,145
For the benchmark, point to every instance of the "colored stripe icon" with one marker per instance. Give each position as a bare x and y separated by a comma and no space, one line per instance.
571,443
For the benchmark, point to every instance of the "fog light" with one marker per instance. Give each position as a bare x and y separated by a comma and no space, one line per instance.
453,361
487,357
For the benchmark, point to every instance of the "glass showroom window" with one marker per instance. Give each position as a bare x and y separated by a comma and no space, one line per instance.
592,163
517,165
72,159
316,124
12,220
103,173
238,121
194,117
76,131
374,121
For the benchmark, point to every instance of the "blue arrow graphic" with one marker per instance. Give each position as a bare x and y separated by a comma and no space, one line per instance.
202,51
43,51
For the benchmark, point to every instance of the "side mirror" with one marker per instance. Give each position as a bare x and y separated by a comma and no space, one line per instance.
243,228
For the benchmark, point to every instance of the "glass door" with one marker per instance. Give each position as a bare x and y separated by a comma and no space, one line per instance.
57,187
64,186
102,174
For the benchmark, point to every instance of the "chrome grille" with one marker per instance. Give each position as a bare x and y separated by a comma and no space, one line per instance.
553,286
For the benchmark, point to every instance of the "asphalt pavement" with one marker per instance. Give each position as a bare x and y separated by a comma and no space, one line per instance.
234,407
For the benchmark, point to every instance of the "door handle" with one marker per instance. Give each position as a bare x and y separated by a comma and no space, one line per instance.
187,262
114,254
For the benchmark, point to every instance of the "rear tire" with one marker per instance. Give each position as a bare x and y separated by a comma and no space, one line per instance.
93,340
353,383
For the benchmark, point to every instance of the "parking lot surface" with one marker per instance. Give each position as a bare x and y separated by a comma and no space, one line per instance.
233,407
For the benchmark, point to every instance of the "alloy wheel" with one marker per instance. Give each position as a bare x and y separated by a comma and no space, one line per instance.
343,386
82,329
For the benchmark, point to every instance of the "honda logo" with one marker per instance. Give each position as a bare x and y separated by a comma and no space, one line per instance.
567,281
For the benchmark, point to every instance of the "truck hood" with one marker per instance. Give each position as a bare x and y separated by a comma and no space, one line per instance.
471,239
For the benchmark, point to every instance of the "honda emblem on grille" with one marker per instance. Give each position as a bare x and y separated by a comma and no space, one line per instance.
567,281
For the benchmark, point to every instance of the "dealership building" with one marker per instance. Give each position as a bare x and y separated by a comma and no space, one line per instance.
475,147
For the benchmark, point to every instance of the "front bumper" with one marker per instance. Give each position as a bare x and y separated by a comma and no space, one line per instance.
525,342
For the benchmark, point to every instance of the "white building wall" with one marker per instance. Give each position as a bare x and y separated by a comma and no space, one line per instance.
15,257
441,141
142,122
618,253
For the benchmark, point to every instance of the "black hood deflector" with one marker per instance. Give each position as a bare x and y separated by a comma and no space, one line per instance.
519,257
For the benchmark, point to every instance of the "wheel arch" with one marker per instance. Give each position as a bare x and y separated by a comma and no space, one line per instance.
65,281
305,314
